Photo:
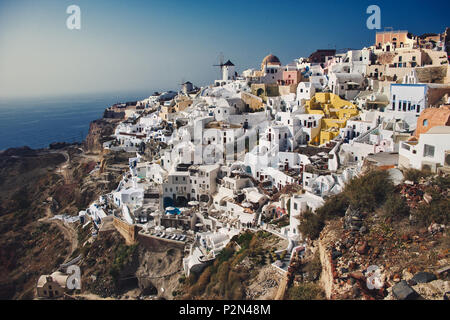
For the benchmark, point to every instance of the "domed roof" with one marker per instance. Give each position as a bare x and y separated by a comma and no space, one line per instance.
270,60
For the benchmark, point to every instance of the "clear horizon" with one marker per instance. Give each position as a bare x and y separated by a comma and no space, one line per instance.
137,46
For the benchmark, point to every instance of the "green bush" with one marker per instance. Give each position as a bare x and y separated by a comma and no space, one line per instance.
114,272
263,234
438,211
414,175
369,191
313,268
335,206
192,279
21,199
306,291
201,283
123,256
225,278
396,207
442,182
366,193
224,255
311,224
244,239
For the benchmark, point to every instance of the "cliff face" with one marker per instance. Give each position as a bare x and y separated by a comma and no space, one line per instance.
99,132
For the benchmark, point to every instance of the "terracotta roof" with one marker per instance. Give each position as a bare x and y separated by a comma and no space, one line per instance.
270,60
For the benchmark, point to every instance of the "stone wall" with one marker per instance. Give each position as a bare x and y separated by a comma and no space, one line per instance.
326,277
434,74
129,232
158,245
287,89
437,96
254,102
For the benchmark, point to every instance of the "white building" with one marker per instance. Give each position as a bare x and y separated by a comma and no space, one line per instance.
276,177
346,85
408,98
430,152
300,203
278,136
305,91
132,196
203,181
355,128
382,138
151,171
311,124
228,72
177,189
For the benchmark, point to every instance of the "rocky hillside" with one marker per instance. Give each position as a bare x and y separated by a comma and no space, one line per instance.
28,248
111,269
35,185
403,238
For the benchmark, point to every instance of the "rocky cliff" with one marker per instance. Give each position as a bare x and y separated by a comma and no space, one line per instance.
99,132
399,252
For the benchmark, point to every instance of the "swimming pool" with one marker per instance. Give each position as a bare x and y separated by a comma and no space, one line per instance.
172,210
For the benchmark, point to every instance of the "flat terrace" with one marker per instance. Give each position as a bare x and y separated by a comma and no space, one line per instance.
312,151
222,125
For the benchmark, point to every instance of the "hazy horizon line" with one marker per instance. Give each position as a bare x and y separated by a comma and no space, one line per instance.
83,94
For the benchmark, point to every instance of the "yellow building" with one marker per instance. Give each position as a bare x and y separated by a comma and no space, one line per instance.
335,111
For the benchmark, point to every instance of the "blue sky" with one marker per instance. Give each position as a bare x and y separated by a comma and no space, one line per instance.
138,46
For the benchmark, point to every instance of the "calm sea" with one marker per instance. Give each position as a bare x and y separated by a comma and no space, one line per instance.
38,122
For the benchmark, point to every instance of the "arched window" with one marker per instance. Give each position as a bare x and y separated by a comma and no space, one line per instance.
425,122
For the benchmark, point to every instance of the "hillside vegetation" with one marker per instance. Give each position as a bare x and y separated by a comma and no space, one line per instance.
401,229
375,191
234,268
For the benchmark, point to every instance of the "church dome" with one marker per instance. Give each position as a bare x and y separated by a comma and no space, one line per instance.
270,60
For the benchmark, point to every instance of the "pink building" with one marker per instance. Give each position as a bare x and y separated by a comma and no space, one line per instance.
290,77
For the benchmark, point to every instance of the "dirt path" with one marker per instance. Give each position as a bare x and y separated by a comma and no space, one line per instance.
69,232
63,169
